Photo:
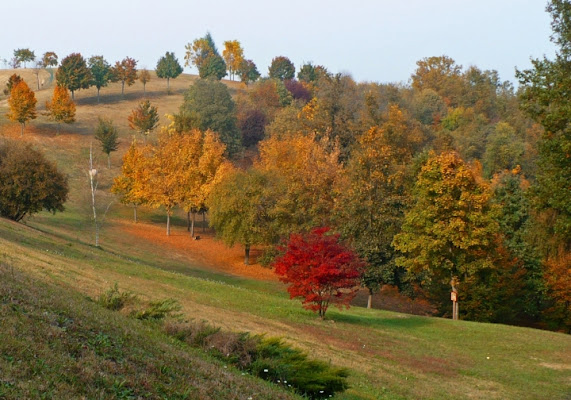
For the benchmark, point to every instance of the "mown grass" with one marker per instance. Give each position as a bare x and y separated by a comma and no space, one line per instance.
390,355
55,344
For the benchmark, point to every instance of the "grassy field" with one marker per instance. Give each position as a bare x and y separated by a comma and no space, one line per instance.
390,355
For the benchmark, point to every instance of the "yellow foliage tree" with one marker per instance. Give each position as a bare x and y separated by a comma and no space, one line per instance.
309,168
61,108
233,55
22,104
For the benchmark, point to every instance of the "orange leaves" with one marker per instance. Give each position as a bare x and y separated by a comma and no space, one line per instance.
22,104
61,108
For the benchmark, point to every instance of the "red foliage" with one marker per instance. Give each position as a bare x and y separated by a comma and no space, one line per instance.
298,90
320,270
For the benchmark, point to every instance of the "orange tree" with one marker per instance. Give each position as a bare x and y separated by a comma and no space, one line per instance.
61,108
319,269
22,104
125,72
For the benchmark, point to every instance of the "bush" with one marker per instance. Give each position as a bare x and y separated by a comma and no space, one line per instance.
113,299
158,310
269,359
280,363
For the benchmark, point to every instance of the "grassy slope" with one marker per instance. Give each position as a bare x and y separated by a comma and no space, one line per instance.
391,355
56,344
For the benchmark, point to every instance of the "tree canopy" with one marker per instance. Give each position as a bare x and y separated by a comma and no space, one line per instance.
29,183
73,73
168,67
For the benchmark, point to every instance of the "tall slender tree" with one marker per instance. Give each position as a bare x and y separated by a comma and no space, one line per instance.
100,72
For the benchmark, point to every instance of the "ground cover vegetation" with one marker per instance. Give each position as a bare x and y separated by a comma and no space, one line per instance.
456,182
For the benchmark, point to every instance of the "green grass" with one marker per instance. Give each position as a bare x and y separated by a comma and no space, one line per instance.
389,355
56,344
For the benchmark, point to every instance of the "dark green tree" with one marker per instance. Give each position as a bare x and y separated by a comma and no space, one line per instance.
100,72
24,55
73,73
28,182
248,71
106,133
208,105
545,98
281,68
168,67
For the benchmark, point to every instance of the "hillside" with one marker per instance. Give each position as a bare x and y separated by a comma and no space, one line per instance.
390,355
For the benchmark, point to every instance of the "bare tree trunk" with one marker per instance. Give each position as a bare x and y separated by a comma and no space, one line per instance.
135,213
22,129
247,255
370,299
203,221
168,85
97,95
72,95
168,223
192,224
93,183
108,160
188,221
144,88
122,88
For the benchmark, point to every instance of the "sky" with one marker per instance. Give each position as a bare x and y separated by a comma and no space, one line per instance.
372,40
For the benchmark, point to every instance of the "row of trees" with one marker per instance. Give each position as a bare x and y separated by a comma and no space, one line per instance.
76,73
22,104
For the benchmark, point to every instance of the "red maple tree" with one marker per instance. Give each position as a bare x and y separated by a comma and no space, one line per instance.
319,269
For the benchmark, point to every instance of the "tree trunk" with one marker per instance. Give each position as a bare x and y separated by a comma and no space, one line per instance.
247,255
97,95
203,221
168,223
22,129
144,88
122,88
192,224
188,221
370,299
108,160
135,213
72,95
168,86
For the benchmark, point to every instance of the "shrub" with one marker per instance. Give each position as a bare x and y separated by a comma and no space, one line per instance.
269,359
158,310
113,299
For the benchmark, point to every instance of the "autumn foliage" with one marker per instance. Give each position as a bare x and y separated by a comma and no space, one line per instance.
22,103
319,269
61,108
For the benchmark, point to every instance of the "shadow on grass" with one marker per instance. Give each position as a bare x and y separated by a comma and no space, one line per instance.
112,98
404,322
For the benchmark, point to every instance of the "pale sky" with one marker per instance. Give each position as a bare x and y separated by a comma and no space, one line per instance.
373,40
